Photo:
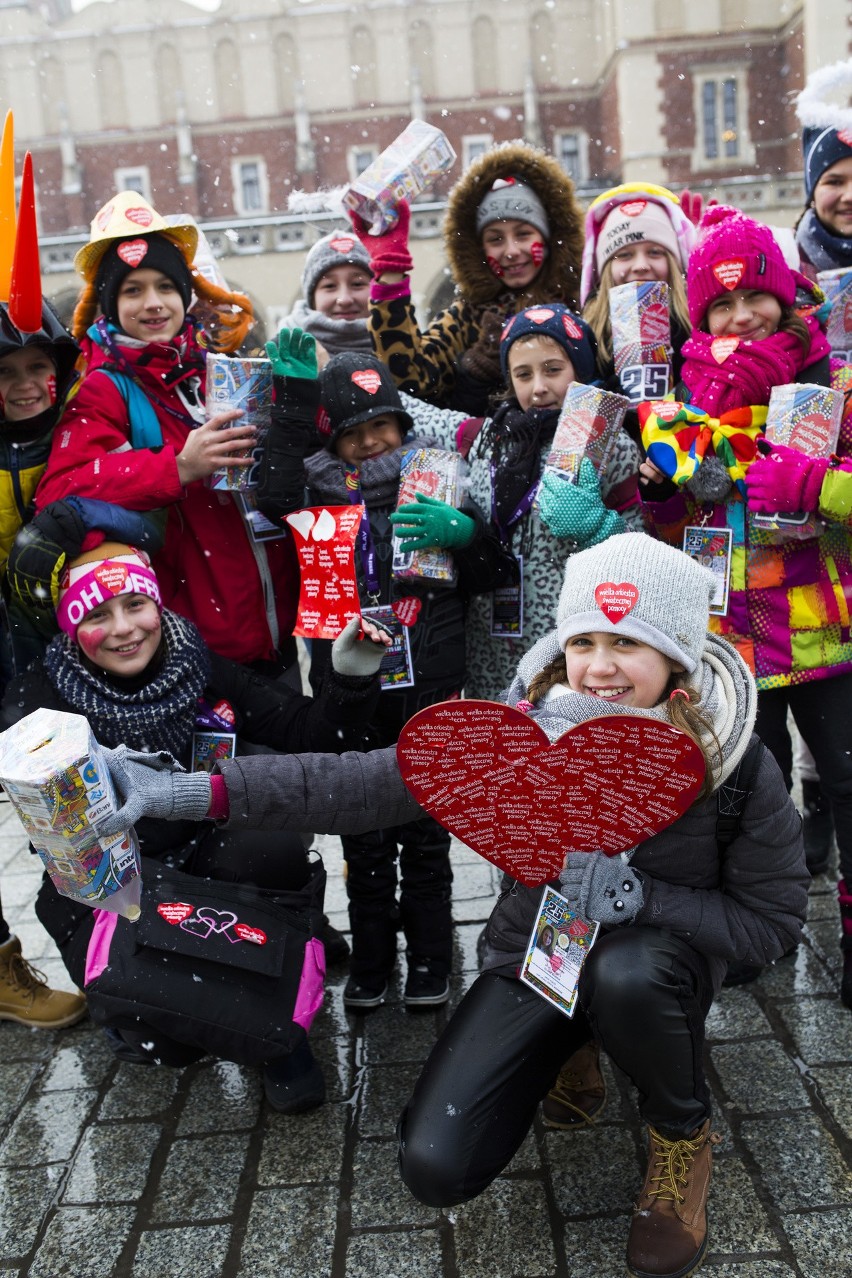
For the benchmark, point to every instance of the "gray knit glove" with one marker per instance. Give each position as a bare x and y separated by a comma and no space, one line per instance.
602,887
352,654
153,785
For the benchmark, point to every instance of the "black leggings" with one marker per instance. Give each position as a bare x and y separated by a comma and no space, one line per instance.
644,995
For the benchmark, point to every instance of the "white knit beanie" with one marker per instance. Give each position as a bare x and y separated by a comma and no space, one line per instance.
340,248
633,585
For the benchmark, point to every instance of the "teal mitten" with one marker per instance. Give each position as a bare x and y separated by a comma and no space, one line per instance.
429,522
576,511
295,354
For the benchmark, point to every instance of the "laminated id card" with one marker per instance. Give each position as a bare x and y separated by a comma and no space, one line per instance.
507,608
558,947
397,668
712,547
210,748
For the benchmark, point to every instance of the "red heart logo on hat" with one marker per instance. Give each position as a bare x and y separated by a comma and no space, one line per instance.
368,379
539,314
845,136
255,935
102,220
616,599
407,609
572,328
132,251
722,347
342,244
730,272
174,912
489,774
633,207
507,327
655,325
112,576
141,216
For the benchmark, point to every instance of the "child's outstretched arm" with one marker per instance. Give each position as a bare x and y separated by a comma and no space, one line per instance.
292,431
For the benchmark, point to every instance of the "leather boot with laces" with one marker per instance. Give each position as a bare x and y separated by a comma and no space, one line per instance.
668,1233
579,1092
26,998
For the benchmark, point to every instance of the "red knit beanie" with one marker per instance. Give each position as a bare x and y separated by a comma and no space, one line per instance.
734,252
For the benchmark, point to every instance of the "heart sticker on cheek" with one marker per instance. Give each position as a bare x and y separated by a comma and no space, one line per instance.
722,347
616,599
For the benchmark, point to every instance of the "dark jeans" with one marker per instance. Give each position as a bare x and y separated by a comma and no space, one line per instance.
644,995
822,711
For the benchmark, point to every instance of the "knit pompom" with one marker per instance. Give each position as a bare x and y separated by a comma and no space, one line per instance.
814,105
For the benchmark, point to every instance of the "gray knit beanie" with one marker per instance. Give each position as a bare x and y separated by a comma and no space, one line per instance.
340,248
632,585
509,197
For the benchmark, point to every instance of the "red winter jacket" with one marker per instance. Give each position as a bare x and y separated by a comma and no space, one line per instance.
209,570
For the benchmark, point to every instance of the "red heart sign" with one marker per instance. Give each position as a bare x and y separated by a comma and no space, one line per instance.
255,935
368,379
490,776
132,251
407,609
141,216
730,272
722,347
616,599
175,912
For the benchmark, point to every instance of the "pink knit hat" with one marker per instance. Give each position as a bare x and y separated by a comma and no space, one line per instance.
99,575
734,252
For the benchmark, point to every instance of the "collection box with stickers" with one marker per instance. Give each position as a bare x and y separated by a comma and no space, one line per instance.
837,286
403,171
806,417
245,384
56,778
435,473
641,338
589,422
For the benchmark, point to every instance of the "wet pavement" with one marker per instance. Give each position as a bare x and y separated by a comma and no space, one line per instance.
113,1171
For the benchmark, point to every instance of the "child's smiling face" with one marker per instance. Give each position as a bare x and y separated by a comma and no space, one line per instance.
618,668
149,306
369,439
122,635
27,383
745,313
540,371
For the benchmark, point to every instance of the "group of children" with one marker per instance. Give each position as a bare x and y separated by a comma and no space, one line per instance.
215,621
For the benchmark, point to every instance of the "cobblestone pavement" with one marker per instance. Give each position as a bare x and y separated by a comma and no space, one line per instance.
110,1170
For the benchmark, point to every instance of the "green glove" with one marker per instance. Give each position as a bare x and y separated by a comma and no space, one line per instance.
576,511
294,356
428,522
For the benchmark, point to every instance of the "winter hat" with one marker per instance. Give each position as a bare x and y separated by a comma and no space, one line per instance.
154,252
633,585
632,214
509,197
123,217
827,125
98,575
567,329
340,248
734,252
355,387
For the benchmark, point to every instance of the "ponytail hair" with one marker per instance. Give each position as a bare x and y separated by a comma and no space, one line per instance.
86,311
230,326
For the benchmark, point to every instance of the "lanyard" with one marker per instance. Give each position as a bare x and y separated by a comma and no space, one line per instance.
517,514
366,545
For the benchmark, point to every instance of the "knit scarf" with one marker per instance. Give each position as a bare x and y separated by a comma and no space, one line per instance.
726,690
823,249
378,478
721,375
336,335
513,441
159,716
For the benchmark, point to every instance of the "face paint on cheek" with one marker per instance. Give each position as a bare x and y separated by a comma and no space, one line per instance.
494,266
538,252
51,388
91,640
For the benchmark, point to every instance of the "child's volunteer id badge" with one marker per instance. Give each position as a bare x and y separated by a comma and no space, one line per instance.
559,946
712,547
397,668
507,608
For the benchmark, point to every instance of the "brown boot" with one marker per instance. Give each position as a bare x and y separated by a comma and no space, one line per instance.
579,1092
668,1233
26,998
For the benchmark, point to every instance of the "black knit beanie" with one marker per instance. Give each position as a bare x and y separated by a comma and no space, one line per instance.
154,252
355,388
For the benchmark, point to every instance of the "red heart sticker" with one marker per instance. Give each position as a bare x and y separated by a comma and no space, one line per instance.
666,409
845,136
368,379
342,244
616,599
539,314
572,328
730,272
847,313
633,207
112,576
255,935
655,325
489,775
406,610
722,347
132,251
174,912
225,711
102,220
507,327
139,216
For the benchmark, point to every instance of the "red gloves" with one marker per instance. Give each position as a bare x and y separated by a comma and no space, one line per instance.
388,252
786,480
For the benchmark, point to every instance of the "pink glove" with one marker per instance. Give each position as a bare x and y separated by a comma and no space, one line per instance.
785,480
388,252
693,205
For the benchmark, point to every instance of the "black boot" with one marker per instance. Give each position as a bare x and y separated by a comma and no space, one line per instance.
335,944
295,1084
818,827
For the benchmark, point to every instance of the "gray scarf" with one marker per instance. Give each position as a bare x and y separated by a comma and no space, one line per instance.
727,694
336,335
